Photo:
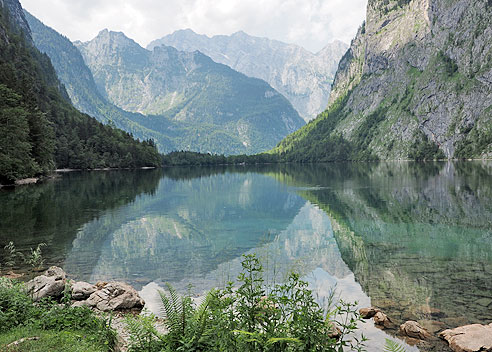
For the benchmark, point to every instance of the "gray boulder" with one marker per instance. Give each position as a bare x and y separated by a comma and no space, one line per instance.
114,296
50,284
82,290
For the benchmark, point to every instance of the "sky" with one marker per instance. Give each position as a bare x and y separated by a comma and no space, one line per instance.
308,23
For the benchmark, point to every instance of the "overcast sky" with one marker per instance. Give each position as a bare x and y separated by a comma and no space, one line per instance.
309,23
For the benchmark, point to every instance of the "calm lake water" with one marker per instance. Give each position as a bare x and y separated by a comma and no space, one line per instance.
412,239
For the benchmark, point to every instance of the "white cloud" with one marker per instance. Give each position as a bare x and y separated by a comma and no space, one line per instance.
309,23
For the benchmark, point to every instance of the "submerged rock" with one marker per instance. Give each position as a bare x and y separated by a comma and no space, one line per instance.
334,331
469,338
50,284
368,313
383,321
414,330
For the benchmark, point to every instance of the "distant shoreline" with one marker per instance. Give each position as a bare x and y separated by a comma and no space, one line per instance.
35,180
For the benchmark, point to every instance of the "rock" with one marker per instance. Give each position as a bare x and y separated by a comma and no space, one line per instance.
114,296
50,284
414,330
469,338
484,302
334,331
368,313
301,76
12,275
382,320
26,181
82,290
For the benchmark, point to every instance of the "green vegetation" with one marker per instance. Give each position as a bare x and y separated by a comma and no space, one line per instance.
315,142
34,258
39,128
56,327
392,346
183,158
424,149
253,317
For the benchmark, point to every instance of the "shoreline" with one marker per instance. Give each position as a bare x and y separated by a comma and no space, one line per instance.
55,173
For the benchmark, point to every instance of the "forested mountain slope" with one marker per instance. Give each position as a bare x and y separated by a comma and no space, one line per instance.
39,128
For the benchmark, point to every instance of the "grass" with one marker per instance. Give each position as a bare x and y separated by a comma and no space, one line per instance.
59,327
53,341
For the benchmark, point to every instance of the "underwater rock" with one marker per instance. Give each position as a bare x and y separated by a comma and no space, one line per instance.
414,330
469,338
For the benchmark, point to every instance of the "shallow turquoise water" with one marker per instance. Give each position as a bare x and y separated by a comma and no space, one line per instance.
412,239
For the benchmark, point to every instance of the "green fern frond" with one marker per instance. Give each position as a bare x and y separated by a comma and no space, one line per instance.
173,310
393,346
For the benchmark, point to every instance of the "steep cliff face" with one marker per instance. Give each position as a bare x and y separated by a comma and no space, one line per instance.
16,15
302,77
415,83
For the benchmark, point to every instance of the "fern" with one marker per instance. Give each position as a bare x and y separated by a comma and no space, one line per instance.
393,346
188,326
174,310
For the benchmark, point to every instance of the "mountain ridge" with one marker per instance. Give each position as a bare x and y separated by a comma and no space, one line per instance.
416,83
169,133
189,88
304,78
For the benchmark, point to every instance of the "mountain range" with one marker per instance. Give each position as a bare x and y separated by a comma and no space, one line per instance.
181,100
416,83
304,78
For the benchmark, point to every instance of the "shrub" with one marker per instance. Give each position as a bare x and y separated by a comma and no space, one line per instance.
250,317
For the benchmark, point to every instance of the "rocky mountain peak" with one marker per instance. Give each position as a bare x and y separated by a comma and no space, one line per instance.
16,15
302,77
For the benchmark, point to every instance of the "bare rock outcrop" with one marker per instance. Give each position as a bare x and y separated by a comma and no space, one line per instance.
50,284
469,338
82,290
104,296
113,296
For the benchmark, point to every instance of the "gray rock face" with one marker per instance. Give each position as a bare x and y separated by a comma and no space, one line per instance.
82,290
50,284
469,338
113,296
302,77
425,65
17,15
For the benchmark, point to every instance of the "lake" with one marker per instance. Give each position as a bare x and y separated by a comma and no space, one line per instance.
414,239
